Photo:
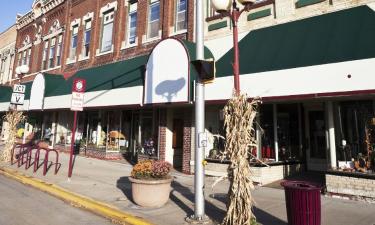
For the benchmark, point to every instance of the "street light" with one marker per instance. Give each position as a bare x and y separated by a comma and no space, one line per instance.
22,70
224,8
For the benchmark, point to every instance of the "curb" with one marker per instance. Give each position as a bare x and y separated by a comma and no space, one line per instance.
115,215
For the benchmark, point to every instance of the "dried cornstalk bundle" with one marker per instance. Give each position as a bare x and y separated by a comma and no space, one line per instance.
239,116
13,118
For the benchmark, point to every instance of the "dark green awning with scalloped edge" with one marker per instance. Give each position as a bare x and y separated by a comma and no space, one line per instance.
334,37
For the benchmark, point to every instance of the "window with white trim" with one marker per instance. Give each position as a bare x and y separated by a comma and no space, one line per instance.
19,63
153,19
107,31
73,43
58,51
181,6
132,23
24,57
28,56
87,38
45,52
52,51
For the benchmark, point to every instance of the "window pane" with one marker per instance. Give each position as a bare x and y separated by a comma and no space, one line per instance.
181,5
153,26
107,37
51,56
87,36
74,41
181,15
155,11
154,29
132,27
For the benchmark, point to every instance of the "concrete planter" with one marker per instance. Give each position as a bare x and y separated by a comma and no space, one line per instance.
150,193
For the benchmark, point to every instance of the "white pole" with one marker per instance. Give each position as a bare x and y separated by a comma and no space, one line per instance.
276,140
331,132
199,208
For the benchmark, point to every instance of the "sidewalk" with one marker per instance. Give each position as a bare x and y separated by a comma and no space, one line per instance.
107,182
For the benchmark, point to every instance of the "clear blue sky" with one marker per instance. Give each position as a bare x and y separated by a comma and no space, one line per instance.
9,10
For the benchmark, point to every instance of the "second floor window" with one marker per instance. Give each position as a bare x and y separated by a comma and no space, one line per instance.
59,49
107,31
19,59
132,31
28,56
45,52
181,15
153,19
24,58
87,38
73,43
52,50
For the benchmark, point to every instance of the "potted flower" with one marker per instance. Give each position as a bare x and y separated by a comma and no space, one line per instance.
149,177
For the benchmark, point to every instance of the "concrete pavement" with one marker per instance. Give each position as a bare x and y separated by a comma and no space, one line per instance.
21,205
107,182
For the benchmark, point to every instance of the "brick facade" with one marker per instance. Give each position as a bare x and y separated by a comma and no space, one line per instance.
186,155
70,11
162,133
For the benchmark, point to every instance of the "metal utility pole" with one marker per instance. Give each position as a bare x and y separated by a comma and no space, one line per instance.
199,208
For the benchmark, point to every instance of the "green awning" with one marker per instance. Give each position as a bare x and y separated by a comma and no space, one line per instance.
5,93
52,82
127,73
121,74
28,89
335,37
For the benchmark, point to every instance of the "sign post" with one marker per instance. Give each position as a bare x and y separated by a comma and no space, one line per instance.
78,92
18,94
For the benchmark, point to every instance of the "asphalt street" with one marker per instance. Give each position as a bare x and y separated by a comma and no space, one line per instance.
23,205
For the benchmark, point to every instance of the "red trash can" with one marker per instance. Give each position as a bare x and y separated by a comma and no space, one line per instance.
303,203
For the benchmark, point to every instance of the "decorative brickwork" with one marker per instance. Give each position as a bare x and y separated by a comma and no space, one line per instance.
162,133
186,154
351,187
67,11
92,153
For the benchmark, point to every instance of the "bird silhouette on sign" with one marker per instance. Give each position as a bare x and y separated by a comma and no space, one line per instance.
169,88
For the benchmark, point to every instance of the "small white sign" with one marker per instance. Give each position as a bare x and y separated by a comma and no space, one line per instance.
18,88
77,101
202,140
17,99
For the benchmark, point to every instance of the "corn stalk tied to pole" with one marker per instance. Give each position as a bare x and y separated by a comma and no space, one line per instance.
239,114
13,118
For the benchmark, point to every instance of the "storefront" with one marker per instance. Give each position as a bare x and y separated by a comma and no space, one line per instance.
317,100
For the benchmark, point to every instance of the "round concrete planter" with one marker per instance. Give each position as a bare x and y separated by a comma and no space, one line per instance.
151,193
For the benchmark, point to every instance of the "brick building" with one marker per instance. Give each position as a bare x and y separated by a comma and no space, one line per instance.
100,40
308,60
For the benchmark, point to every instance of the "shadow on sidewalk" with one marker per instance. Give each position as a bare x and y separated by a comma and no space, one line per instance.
262,216
265,218
212,211
123,183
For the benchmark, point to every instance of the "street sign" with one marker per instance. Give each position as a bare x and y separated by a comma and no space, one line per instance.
77,101
19,88
17,98
202,140
79,85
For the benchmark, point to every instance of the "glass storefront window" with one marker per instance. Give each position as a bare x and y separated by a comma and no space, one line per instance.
268,141
355,136
288,131
148,137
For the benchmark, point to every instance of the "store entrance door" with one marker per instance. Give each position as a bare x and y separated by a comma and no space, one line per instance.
316,139
177,143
